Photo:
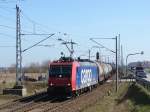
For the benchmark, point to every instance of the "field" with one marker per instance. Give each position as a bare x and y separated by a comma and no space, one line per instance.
11,77
129,98
7,80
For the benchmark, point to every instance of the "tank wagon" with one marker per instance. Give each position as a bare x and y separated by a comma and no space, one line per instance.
104,71
76,76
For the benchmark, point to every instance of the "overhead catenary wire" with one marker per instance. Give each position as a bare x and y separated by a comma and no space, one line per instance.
42,45
35,23
8,35
10,1
38,43
102,45
6,10
27,17
7,2
13,28
10,27
7,46
11,36
8,18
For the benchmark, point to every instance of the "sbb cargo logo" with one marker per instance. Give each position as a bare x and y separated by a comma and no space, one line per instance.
86,76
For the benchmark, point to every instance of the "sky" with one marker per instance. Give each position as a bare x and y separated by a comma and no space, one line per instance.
80,20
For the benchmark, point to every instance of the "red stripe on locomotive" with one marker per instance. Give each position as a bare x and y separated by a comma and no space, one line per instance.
74,72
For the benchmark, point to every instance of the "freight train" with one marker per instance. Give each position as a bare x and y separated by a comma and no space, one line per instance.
76,76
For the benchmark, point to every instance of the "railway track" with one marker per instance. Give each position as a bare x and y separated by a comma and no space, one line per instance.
66,105
28,106
21,101
83,101
43,103
47,106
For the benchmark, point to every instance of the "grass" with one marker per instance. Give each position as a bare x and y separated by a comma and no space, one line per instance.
7,85
109,103
9,97
147,70
33,87
132,98
139,98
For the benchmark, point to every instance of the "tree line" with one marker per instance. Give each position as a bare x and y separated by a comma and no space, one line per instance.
33,67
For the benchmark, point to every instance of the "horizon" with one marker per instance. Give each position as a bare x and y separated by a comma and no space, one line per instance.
79,21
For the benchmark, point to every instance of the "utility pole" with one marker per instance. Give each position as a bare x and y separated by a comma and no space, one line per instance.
89,54
116,53
122,64
119,47
18,49
116,64
72,50
119,57
108,59
19,89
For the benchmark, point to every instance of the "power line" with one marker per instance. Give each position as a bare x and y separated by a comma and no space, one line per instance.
34,22
92,39
7,9
8,35
8,18
7,46
4,2
36,34
37,43
24,15
10,1
46,45
10,27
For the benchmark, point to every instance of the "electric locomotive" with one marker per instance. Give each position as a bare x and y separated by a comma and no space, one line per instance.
71,76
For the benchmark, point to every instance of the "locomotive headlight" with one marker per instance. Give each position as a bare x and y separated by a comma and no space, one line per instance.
68,84
51,84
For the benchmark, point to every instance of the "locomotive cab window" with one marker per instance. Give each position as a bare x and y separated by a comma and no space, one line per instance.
63,71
